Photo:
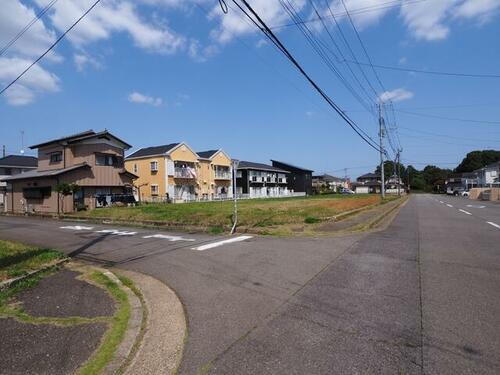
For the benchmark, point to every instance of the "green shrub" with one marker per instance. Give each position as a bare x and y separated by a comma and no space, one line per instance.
311,220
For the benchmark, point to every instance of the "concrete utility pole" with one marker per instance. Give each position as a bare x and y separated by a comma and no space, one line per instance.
235,196
399,171
381,136
3,151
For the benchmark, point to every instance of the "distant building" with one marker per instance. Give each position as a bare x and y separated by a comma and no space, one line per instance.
329,183
489,175
299,180
93,161
367,183
257,180
461,181
12,165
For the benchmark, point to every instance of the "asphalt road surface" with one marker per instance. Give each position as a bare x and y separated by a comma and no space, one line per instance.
422,296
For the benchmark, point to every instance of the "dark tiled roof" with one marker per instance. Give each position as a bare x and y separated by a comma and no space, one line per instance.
259,166
369,175
327,177
19,161
206,154
80,137
150,151
51,172
284,165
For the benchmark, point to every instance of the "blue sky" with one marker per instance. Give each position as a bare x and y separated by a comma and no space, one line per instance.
161,71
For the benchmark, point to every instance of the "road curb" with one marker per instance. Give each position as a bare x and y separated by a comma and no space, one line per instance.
10,282
160,350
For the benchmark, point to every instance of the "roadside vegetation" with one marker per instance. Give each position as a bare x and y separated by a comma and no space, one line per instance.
17,259
252,213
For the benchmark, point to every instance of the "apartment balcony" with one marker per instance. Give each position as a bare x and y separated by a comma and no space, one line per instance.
184,173
223,175
282,181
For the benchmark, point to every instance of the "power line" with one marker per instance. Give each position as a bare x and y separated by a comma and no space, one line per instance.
50,48
448,118
449,136
386,5
27,27
433,72
272,37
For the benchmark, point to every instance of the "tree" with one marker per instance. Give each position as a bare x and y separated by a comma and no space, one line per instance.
64,189
391,168
477,159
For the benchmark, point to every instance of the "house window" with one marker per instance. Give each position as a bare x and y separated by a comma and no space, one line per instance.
154,189
154,166
108,160
136,168
56,157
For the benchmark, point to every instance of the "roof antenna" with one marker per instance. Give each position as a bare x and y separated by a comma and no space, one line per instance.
22,141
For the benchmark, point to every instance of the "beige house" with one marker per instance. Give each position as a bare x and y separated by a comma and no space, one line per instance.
176,172
93,161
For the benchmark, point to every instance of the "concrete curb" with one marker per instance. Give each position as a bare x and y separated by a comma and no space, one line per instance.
126,348
160,350
8,283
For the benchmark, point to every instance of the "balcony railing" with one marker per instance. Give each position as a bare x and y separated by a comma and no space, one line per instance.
219,175
184,173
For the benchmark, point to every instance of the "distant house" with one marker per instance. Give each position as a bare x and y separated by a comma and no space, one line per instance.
93,161
215,175
12,165
299,180
489,175
257,180
461,181
329,183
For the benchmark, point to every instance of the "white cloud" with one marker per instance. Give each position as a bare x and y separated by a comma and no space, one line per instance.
484,9
82,60
137,97
13,18
36,80
403,60
235,24
261,43
396,95
113,16
199,53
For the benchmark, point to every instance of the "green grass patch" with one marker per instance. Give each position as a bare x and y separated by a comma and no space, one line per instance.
17,259
311,220
115,333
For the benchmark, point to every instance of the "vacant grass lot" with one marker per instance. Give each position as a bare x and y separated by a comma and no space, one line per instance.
16,259
252,213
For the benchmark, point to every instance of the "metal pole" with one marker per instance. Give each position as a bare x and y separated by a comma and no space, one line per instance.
381,135
399,172
235,197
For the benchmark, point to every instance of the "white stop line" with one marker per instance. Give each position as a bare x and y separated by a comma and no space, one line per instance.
465,212
220,243
449,205
77,227
116,232
169,238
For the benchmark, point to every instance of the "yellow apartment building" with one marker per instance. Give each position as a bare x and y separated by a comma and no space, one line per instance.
174,171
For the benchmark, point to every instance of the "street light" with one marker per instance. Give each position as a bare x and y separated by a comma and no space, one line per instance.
235,197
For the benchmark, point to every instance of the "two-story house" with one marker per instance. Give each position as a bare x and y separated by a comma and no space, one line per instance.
214,175
326,182
368,183
12,165
299,179
489,176
257,180
92,161
176,172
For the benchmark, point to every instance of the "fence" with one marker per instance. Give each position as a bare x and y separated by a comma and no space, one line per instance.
221,197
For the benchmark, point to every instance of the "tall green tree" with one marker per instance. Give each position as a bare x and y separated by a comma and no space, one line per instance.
477,159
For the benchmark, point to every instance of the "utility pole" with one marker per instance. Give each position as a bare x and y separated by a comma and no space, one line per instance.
235,196
381,136
3,151
399,171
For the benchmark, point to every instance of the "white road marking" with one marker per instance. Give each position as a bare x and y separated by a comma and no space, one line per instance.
449,205
220,243
495,225
441,202
475,206
77,227
170,238
116,232
465,212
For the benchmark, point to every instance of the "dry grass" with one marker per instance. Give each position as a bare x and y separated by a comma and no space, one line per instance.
254,213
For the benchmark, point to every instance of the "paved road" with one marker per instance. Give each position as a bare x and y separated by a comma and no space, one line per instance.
420,297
